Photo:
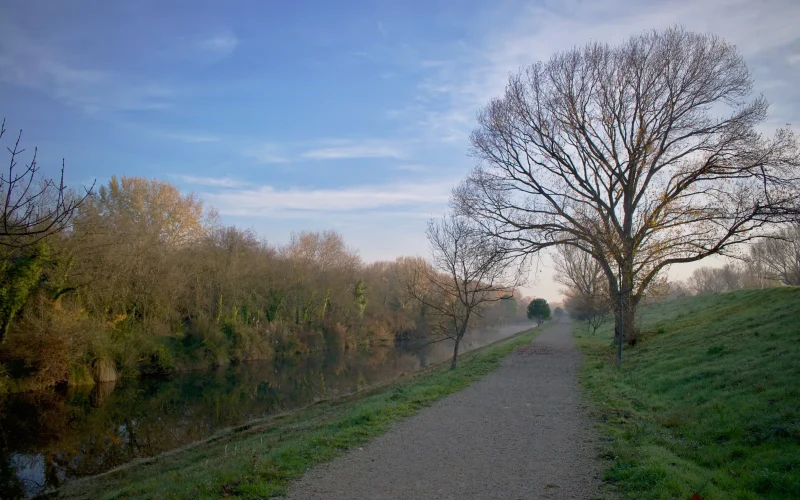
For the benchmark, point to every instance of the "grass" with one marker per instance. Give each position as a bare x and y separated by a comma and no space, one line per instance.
259,461
708,403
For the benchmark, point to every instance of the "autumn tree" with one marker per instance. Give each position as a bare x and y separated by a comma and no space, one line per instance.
539,310
132,232
468,271
642,155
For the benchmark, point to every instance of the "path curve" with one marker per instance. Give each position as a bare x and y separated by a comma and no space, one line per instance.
522,432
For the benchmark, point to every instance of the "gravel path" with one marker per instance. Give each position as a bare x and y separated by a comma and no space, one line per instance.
520,433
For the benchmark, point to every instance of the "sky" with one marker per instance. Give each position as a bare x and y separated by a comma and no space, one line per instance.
289,116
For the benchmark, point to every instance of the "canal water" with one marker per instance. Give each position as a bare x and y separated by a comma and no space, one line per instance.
48,438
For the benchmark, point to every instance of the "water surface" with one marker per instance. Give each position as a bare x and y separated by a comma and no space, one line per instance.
48,438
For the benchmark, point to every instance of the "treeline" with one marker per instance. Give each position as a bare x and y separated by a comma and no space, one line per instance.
146,280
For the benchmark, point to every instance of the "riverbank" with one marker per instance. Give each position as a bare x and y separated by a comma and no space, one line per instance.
259,460
707,403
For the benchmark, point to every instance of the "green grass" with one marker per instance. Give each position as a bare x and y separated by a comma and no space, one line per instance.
259,461
707,403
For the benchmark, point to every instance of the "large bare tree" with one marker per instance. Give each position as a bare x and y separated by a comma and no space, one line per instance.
468,271
33,207
642,155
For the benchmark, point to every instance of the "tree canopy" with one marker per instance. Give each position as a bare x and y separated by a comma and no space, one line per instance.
539,310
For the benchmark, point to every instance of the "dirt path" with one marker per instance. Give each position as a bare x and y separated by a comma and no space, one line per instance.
520,433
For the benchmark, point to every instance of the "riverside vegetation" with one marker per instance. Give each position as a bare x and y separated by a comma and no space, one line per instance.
146,281
708,402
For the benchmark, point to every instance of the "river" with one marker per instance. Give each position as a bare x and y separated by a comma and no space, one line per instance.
48,438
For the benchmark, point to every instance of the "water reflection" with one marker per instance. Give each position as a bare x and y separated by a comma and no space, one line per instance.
48,438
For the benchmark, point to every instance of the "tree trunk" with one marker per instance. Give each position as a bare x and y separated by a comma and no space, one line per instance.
454,363
626,318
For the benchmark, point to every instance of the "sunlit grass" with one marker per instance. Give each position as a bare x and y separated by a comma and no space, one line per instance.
260,462
708,403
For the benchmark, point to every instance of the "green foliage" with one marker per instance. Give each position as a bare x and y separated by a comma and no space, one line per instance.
20,274
360,294
260,461
708,402
558,312
539,310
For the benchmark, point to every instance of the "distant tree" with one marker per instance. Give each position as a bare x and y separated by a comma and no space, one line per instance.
585,286
779,256
708,280
539,310
467,273
558,312
33,208
643,155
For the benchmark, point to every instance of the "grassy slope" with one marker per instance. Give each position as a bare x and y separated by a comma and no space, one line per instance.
708,403
260,461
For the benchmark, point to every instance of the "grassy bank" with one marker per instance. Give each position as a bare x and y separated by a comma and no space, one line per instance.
708,403
259,461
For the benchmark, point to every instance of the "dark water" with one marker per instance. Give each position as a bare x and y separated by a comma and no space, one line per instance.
51,437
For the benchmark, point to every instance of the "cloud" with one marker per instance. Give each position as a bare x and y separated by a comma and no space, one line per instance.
413,168
355,149
325,149
26,61
466,76
268,201
265,152
192,138
221,45
222,182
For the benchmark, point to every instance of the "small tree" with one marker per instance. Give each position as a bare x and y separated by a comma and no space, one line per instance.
468,271
558,312
539,310
32,208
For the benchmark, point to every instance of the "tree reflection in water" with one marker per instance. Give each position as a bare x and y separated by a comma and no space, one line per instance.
50,437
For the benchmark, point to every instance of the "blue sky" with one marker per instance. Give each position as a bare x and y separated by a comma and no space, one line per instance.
353,116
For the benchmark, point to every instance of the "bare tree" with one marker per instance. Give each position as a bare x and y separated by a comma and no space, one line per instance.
779,256
32,208
585,286
708,280
468,271
642,155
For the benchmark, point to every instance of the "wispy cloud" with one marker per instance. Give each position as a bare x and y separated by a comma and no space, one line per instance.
326,149
465,78
221,45
192,138
266,152
222,182
412,168
26,61
269,201
355,149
